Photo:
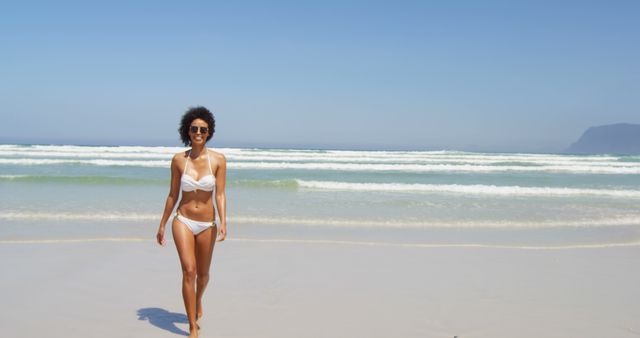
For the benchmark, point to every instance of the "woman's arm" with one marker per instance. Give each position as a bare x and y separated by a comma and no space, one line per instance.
172,199
221,198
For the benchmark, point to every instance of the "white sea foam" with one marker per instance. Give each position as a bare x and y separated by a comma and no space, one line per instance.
78,216
421,168
95,155
307,154
515,224
397,156
415,168
394,161
415,155
411,188
95,162
438,245
10,177
14,157
98,149
633,220
437,160
474,189
76,240
336,242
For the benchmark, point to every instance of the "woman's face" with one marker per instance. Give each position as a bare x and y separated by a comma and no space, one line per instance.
198,132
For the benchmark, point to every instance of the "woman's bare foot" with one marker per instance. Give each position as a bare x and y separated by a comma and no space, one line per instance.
193,332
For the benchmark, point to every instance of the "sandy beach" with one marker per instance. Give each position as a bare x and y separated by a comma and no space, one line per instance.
382,169
131,288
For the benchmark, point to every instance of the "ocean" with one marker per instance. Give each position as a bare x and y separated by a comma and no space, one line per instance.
410,198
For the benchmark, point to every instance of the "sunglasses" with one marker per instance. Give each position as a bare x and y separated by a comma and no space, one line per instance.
203,130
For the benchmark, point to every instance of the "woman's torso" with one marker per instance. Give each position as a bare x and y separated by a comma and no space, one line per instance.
197,183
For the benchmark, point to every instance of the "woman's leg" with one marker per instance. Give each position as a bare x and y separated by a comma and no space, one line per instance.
205,242
185,243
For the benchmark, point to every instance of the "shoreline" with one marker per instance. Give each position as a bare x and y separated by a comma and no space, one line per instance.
331,242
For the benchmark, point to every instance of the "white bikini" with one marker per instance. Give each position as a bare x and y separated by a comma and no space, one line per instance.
188,183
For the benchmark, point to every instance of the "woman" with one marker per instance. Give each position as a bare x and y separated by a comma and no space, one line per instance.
196,172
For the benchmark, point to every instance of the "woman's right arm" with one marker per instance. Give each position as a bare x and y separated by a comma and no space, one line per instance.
172,199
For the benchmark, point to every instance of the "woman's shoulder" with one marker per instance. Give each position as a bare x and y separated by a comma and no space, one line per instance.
217,155
180,156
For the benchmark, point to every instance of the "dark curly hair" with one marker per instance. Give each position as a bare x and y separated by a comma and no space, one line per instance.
192,114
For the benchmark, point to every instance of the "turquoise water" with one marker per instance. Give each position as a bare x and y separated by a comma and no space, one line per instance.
419,197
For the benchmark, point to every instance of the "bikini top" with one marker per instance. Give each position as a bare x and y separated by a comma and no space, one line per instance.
188,183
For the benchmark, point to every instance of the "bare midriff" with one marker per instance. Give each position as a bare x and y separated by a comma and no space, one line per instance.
197,205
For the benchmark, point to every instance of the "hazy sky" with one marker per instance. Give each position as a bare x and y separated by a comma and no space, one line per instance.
473,75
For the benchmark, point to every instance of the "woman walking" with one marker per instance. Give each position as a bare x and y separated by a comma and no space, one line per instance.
196,172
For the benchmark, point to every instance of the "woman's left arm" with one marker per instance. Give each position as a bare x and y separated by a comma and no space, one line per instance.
221,198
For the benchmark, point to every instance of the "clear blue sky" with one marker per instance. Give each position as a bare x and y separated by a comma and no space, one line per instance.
473,75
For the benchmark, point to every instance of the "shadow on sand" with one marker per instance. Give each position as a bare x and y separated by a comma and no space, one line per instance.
164,319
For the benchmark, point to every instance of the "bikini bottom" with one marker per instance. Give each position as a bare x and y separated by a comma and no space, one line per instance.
195,226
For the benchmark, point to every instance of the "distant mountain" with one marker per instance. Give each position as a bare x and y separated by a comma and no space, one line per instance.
621,138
